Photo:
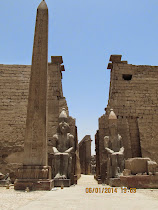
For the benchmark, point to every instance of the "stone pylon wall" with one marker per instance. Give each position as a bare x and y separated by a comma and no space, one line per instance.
133,96
14,87
85,154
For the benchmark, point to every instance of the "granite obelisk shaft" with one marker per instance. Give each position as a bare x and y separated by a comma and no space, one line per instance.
35,145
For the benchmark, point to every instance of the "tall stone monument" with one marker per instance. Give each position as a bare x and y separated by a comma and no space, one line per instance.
35,172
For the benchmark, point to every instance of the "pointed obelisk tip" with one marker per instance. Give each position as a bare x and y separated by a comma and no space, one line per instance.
42,5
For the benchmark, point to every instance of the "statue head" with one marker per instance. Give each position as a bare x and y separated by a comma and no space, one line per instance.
63,125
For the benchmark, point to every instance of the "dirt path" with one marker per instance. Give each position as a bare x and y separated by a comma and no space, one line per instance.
76,197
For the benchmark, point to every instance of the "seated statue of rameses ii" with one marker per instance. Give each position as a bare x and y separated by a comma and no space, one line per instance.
63,148
113,146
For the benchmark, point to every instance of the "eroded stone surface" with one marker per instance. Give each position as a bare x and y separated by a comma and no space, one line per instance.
141,165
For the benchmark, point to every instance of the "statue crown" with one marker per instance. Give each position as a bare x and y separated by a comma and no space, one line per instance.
63,115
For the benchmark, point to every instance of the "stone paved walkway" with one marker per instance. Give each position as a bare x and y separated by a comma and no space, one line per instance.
76,198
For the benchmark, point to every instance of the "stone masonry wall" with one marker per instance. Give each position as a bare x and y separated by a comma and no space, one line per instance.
133,96
14,86
13,105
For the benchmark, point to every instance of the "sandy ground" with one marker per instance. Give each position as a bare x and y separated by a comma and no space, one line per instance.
76,197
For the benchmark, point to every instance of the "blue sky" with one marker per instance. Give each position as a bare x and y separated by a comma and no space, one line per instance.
85,33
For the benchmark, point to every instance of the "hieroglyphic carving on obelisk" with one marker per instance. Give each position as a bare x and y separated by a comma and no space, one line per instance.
35,145
35,172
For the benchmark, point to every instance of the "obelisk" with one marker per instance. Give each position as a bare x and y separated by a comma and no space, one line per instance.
36,122
35,168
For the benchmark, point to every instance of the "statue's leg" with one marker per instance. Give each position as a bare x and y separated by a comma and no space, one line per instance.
69,166
114,165
121,162
65,165
109,168
57,165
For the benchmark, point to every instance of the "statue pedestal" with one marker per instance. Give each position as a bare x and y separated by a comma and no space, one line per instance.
33,184
60,182
115,182
4,183
34,177
140,181
99,181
